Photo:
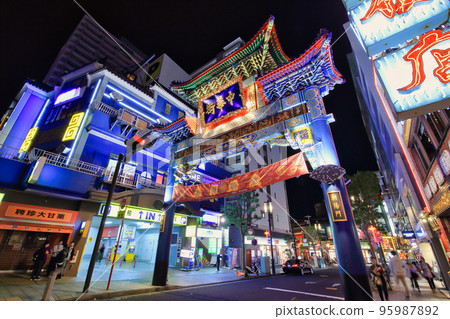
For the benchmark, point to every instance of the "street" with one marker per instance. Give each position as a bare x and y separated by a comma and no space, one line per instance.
323,285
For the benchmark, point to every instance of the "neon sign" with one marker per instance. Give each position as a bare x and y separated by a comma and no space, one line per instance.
68,95
415,55
73,127
389,9
384,24
424,68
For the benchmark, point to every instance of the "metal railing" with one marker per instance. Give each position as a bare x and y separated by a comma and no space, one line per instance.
104,108
135,180
72,164
13,154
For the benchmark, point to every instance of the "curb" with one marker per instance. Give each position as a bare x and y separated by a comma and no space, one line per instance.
115,294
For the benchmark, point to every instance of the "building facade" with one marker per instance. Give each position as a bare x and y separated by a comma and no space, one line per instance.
402,90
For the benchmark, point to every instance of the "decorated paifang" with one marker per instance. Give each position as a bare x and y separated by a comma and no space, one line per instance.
291,167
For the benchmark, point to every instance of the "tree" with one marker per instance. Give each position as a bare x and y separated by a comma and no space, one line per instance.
240,211
365,198
289,239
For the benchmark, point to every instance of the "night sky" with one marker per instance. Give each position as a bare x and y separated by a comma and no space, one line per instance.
191,33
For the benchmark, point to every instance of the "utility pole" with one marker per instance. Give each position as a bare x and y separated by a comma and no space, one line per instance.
102,224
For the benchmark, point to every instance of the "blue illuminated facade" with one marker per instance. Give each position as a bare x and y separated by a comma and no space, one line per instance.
60,146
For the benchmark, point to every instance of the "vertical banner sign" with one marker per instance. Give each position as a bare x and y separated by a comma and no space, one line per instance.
336,206
162,224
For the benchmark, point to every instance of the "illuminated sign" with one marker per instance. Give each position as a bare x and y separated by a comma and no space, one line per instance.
226,101
209,233
209,218
73,127
28,140
68,95
138,213
129,232
408,234
36,213
383,24
336,206
190,231
424,68
187,253
389,9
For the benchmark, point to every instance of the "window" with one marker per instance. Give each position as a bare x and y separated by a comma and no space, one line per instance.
263,214
168,107
426,142
437,124
180,114
278,218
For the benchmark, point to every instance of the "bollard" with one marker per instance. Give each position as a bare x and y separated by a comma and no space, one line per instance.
50,282
121,261
135,259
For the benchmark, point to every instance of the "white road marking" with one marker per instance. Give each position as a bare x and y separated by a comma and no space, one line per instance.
334,285
310,282
305,293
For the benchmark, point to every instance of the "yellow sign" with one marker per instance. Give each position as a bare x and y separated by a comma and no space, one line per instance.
73,126
28,140
336,206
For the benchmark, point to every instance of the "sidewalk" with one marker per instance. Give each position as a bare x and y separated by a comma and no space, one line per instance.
398,292
18,286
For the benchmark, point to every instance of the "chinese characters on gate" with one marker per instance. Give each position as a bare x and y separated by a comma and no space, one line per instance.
336,207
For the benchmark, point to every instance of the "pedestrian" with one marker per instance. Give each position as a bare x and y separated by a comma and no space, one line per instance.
218,261
427,274
39,258
100,253
56,249
377,272
69,255
411,273
396,266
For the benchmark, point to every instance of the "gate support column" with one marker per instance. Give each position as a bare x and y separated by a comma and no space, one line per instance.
352,267
165,234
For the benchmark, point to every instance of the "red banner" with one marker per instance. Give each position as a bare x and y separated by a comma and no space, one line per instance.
288,168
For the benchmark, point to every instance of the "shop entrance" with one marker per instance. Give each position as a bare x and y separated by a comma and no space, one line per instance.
136,252
17,247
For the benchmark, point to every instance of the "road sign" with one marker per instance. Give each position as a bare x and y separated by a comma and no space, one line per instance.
254,242
123,203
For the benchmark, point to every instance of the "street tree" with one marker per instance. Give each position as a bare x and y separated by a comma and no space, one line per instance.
240,211
366,201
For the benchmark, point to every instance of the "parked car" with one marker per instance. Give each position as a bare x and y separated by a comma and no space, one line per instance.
297,266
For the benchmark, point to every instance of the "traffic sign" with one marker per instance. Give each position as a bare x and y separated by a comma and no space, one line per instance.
123,203
254,242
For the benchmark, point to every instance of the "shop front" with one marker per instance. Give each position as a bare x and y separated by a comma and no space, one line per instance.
129,238
259,246
25,228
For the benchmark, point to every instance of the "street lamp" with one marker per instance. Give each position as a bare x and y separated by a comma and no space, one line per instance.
268,208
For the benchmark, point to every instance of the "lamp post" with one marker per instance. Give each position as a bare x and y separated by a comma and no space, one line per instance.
268,210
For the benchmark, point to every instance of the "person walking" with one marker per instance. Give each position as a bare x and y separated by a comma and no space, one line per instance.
377,272
69,255
412,273
396,266
427,274
218,261
56,249
39,258
100,253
